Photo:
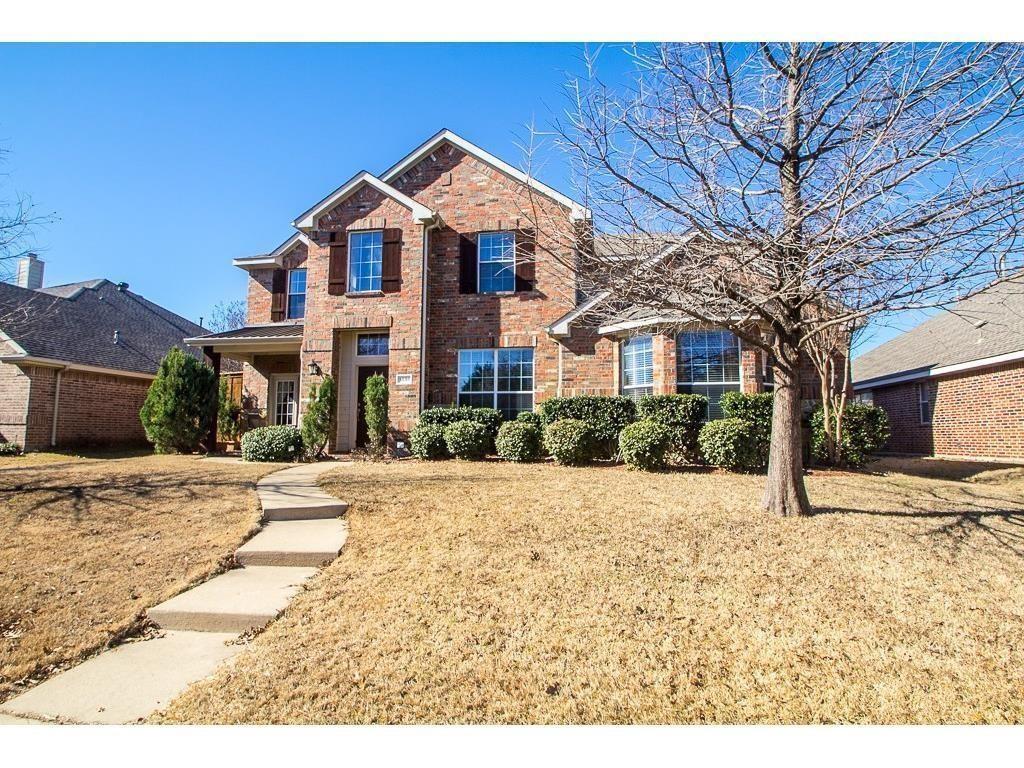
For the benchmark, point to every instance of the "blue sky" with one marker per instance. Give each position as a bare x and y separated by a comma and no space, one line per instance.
162,162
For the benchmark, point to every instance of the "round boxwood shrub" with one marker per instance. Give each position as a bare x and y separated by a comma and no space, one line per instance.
605,416
278,443
729,443
865,431
682,414
519,441
570,441
530,417
467,440
428,441
444,415
645,445
756,410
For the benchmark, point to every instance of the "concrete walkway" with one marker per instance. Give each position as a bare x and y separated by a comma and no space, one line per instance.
129,682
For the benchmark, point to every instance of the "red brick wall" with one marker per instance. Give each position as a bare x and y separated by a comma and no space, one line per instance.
14,388
976,413
256,376
261,283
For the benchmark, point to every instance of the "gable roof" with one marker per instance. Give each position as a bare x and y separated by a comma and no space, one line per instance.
579,211
273,259
76,323
985,329
308,219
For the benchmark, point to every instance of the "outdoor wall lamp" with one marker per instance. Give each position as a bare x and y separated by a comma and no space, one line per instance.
314,368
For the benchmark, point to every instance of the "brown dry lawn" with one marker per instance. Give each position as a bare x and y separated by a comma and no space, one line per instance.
494,593
87,544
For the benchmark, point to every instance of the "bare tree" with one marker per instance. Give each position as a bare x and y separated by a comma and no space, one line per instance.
18,217
227,316
790,191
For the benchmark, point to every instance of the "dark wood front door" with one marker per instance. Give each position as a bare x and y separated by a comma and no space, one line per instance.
365,372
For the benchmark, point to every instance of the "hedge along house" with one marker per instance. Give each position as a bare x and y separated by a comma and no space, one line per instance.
76,360
954,385
431,275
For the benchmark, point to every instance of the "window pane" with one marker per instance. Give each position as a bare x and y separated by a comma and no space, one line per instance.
638,366
496,254
365,254
476,372
296,306
296,294
713,392
372,344
512,405
707,357
501,379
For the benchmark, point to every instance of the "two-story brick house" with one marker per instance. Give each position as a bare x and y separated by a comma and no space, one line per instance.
430,274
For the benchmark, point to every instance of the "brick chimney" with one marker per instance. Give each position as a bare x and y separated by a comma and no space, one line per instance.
30,272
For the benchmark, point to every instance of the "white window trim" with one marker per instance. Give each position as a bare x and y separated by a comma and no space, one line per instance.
288,294
275,380
479,262
351,262
495,392
739,351
628,389
374,333
924,398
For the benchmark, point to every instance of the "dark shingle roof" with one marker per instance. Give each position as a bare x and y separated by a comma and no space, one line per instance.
274,331
988,324
75,323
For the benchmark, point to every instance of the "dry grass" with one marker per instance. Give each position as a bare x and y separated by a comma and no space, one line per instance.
493,593
87,544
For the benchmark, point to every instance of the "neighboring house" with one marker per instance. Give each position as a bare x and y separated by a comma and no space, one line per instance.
76,360
429,274
954,385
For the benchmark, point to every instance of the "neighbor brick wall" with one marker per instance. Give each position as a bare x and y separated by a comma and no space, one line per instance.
976,413
14,388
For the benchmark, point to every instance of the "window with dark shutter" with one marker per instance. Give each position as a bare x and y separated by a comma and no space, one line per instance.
391,262
526,264
467,264
337,266
277,295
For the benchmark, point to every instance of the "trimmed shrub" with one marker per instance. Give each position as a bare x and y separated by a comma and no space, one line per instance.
729,443
427,441
645,445
10,449
318,421
375,408
519,441
569,441
605,416
467,440
443,416
865,431
530,417
682,414
178,411
278,443
756,410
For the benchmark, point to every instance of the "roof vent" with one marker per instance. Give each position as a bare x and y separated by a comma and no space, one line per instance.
117,337
122,287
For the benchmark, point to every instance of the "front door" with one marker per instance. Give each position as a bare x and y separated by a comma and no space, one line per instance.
365,372
286,404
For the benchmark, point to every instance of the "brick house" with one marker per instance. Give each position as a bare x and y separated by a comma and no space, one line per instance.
954,385
429,274
76,360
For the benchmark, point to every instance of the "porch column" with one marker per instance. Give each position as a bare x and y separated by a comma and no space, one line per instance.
213,359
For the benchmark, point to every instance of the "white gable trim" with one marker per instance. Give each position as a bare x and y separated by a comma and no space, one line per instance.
308,220
578,211
273,259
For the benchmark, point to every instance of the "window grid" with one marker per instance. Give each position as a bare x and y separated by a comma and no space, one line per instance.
924,404
638,366
365,255
497,378
708,363
284,402
296,294
372,345
496,254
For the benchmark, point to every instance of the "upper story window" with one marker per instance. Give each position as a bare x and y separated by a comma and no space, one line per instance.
372,345
497,378
497,262
296,294
638,366
708,363
366,250
924,402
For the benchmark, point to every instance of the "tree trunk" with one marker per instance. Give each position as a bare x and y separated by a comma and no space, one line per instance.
784,492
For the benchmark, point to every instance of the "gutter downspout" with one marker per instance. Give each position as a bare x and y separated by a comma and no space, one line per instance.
56,408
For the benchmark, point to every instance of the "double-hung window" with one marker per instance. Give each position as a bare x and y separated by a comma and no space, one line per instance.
925,405
497,378
365,255
708,363
638,366
296,294
497,266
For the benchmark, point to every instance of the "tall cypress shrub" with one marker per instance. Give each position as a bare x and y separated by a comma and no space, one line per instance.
375,403
178,411
318,421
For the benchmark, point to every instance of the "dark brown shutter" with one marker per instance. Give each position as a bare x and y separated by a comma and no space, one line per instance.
277,296
467,264
337,265
391,261
526,255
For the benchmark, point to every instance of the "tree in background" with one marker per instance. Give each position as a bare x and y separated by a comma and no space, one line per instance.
375,403
227,316
783,190
178,411
318,421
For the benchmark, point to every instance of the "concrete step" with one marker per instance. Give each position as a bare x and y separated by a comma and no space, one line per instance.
245,598
302,509
293,494
309,543
128,682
